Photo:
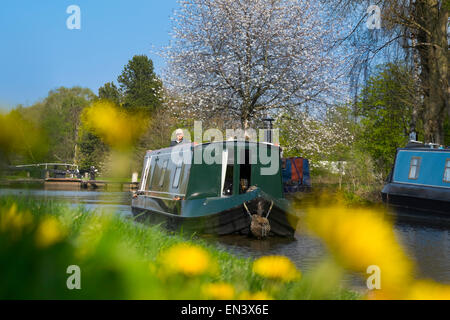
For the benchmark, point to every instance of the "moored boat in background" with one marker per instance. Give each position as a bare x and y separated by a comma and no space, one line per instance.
296,176
420,179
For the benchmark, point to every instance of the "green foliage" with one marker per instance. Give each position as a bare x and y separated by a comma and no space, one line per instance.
380,123
59,117
362,180
92,150
110,92
446,4
140,85
385,109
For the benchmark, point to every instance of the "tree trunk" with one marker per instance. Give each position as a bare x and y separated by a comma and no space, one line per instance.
433,50
75,151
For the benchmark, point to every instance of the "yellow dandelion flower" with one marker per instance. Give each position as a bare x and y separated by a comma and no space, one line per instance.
260,295
277,268
428,290
218,291
116,127
360,238
13,143
14,222
49,232
187,259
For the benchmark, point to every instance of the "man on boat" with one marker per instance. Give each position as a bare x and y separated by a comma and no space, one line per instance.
179,138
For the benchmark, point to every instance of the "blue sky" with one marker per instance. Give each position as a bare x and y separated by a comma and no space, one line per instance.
39,53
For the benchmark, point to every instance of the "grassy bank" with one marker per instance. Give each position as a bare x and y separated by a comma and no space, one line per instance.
363,189
364,195
121,259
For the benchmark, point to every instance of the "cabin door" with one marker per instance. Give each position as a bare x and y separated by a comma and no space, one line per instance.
245,171
228,172
224,170
236,170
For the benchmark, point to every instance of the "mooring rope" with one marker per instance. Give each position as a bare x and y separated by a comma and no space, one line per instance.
270,209
249,214
268,212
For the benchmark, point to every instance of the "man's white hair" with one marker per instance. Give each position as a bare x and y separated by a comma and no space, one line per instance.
178,131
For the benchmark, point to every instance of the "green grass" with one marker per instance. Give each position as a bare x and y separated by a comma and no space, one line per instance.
354,194
120,259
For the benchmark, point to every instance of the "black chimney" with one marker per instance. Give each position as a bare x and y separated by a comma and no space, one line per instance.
269,127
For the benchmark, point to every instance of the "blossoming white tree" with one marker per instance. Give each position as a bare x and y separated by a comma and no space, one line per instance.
317,140
246,58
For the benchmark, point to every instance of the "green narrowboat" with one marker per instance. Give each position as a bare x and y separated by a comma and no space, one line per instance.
215,188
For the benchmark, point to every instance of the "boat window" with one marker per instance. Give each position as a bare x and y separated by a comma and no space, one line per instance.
163,172
414,168
151,174
176,178
447,171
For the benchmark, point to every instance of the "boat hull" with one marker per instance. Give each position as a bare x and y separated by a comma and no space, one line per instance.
417,198
232,221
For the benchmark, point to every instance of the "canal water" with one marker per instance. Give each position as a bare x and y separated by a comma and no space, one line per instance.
428,245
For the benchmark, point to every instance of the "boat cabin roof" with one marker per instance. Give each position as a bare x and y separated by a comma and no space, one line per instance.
421,145
205,144
215,169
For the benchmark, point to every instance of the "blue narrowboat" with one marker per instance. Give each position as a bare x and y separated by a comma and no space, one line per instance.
420,179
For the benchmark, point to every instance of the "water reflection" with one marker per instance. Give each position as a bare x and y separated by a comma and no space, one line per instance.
116,201
303,250
429,247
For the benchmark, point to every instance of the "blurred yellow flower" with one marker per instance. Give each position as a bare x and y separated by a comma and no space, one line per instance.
49,232
359,238
20,136
218,291
260,295
116,127
14,222
428,290
277,268
187,259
